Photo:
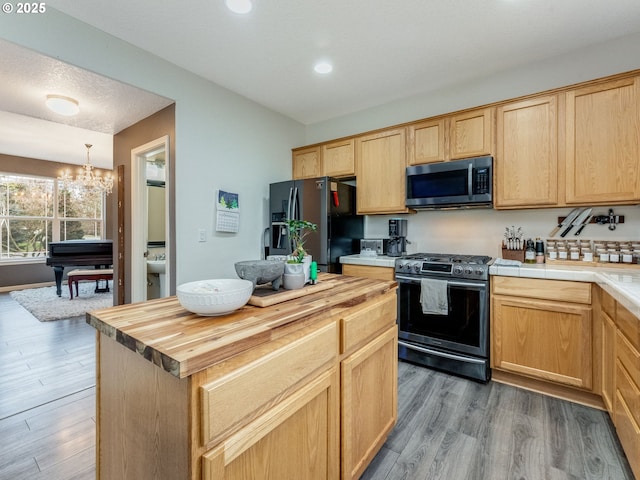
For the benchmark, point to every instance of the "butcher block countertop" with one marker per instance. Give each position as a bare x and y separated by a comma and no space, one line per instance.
183,343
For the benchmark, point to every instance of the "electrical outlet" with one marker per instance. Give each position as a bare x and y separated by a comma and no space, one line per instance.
202,235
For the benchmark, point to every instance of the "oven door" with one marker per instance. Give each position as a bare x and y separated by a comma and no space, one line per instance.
464,330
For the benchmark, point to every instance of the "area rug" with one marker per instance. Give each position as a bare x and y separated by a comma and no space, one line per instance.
45,305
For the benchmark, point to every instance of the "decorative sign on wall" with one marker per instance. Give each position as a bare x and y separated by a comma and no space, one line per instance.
227,212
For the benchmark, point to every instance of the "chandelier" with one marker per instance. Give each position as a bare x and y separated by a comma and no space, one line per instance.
89,178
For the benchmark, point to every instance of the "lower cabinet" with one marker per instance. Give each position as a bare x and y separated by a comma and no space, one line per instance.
369,401
277,445
542,333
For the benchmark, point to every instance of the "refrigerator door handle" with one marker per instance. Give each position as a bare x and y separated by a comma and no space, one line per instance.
295,213
290,204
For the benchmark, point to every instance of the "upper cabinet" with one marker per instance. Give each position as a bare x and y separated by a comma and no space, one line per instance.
602,143
381,160
452,137
526,163
427,141
471,133
338,158
307,163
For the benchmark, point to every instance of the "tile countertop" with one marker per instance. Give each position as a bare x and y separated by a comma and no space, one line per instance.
623,284
378,261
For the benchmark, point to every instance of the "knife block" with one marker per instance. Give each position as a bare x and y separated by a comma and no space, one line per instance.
513,254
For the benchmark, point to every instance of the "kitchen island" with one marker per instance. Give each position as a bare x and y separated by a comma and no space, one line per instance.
302,389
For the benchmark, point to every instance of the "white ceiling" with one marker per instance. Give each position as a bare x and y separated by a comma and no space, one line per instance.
381,51
28,128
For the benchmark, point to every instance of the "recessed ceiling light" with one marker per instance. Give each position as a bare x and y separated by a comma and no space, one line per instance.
239,6
323,67
62,105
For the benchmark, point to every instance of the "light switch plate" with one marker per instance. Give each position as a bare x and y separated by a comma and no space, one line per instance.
202,235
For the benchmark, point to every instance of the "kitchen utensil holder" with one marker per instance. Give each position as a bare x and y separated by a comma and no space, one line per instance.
513,254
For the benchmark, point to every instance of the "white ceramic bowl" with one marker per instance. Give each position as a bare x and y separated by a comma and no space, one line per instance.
214,297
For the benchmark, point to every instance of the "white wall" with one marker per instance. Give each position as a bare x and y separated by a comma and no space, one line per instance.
223,140
480,231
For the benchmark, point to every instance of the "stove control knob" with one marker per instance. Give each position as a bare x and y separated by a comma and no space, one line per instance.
416,267
479,271
468,271
401,265
457,270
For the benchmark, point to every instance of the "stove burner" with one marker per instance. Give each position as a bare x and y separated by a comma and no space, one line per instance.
438,265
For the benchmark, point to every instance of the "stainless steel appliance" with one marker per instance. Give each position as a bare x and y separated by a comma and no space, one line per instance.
378,245
397,237
327,202
459,183
455,340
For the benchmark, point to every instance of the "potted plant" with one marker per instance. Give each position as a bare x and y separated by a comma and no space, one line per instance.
299,260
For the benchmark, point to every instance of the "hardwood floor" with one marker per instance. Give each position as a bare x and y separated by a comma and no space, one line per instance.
448,428
47,397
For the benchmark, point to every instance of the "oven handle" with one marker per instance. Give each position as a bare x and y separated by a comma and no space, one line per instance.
440,353
451,283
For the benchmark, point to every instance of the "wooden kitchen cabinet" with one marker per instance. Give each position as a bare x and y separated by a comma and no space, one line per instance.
471,133
542,329
367,271
608,352
307,163
526,162
603,143
381,160
369,348
427,141
339,159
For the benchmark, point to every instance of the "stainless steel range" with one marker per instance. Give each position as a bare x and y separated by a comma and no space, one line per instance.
443,312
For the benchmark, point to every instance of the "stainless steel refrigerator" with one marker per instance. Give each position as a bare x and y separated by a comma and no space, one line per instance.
325,201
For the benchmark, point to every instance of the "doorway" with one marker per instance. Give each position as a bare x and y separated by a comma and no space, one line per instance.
151,248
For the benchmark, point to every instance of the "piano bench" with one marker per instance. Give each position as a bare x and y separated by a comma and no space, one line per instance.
74,276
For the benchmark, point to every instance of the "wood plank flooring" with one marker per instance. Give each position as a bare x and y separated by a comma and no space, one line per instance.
448,428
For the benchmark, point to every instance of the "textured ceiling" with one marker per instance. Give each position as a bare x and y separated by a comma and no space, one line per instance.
29,128
382,50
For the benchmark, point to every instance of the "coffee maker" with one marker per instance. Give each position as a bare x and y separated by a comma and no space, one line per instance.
397,245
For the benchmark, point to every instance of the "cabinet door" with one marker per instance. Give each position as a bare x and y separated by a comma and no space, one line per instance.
602,143
426,142
471,133
339,158
369,401
526,165
608,361
307,163
546,340
381,166
277,446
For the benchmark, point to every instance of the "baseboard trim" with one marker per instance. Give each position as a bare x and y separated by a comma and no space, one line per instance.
551,389
24,287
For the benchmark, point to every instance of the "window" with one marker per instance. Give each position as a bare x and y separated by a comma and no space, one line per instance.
37,210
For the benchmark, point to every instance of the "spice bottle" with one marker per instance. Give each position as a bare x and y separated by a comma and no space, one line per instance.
530,253
539,251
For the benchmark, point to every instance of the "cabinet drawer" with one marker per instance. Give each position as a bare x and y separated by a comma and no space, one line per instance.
364,323
559,290
628,356
235,399
629,324
628,433
628,390
378,273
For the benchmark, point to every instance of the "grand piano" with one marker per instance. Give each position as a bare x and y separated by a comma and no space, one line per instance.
73,253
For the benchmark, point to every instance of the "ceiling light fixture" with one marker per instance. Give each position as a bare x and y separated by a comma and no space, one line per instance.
88,178
62,105
239,6
323,68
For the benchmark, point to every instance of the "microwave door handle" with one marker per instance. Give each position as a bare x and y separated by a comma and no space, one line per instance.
470,181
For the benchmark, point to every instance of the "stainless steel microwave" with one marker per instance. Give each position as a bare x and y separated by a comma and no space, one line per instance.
459,183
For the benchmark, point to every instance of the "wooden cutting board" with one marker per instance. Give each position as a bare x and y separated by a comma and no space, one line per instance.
266,296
